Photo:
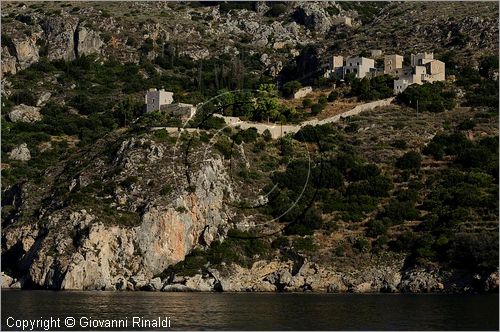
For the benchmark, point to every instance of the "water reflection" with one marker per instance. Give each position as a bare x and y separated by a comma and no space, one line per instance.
250,311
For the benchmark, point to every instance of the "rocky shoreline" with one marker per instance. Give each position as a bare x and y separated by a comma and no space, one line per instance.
276,276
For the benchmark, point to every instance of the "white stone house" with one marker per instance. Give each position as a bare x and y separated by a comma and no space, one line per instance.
155,99
161,100
424,68
393,64
359,66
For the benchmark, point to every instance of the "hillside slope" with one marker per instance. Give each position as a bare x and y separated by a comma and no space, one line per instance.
396,199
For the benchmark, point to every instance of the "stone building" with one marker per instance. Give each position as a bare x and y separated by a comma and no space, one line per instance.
161,100
360,66
424,68
154,99
420,59
393,64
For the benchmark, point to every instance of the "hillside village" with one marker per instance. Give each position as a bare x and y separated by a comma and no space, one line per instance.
423,68
121,170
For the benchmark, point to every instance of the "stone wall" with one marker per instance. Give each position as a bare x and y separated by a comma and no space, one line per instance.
278,130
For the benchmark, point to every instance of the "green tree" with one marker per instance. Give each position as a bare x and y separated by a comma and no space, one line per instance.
411,160
289,88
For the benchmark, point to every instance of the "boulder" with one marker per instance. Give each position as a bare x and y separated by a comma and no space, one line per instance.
25,113
139,282
263,286
123,284
491,283
419,281
43,98
20,152
17,285
176,288
155,284
7,281
313,16
201,284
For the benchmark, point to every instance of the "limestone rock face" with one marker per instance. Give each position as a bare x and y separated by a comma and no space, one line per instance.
7,281
420,281
20,152
60,32
77,251
8,62
313,16
25,113
26,52
43,98
89,41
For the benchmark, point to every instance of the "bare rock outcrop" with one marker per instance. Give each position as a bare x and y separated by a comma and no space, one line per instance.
89,41
7,280
75,250
60,36
20,152
25,113
491,283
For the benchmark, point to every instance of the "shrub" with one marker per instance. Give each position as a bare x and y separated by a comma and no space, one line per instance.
267,135
322,100
378,87
129,181
276,10
376,228
280,242
213,122
399,144
247,136
430,97
24,97
478,252
410,160
361,244
289,88
166,189
467,124
396,212
333,96
304,244
316,109
310,221
306,103
225,146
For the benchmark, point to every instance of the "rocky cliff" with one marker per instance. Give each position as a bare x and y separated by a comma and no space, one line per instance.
69,249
